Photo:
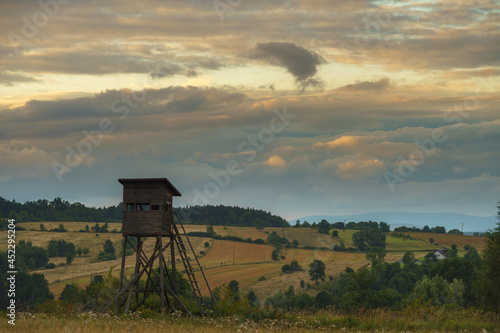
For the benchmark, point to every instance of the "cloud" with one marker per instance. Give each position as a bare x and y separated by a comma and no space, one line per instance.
458,169
359,166
368,85
298,61
276,161
28,163
9,79
342,142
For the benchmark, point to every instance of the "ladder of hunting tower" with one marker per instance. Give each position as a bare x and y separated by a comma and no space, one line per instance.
195,287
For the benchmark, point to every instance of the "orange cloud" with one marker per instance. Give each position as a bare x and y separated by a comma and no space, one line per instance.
342,142
276,161
359,167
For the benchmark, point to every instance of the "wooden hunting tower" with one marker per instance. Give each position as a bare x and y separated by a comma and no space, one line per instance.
147,213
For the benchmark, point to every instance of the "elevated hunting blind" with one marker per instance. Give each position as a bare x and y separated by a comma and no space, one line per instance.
148,213
147,205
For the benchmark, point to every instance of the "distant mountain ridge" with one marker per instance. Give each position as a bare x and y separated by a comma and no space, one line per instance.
396,219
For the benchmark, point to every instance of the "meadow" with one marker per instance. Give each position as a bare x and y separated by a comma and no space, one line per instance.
427,319
250,264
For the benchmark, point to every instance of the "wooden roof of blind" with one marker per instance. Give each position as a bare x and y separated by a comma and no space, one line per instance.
170,186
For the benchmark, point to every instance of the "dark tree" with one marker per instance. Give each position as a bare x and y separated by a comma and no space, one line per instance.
376,255
69,257
439,230
109,252
489,285
252,298
453,253
31,263
109,247
384,227
72,293
286,269
210,231
365,239
317,270
294,266
275,255
323,227
408,258
234,286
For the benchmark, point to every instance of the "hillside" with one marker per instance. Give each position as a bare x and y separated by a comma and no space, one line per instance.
227,260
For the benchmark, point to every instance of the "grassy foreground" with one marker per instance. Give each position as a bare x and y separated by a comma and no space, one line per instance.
427,319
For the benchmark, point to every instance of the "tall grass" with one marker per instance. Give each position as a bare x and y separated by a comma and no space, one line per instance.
417,319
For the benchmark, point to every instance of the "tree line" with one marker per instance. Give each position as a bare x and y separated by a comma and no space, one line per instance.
229,216
62,210
58,210
324,226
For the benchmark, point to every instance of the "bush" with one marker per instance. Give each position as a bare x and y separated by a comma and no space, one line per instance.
108,253
294,265
72,293
59,248
286,269
69,257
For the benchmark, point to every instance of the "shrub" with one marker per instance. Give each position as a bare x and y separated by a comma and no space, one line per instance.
286,269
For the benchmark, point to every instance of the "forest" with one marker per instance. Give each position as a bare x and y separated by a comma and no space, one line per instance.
61,210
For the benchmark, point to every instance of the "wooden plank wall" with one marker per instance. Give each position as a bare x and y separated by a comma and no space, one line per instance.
149,222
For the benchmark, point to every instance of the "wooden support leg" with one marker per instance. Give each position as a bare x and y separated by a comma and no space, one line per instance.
124,250
162,285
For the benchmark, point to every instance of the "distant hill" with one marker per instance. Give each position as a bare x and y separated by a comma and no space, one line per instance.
397,219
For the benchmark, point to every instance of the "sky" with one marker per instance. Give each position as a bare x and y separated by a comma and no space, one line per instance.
295,107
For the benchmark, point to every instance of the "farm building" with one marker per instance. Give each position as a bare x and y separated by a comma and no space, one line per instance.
441,254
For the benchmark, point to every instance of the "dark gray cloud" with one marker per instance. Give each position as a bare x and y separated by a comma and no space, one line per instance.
298,61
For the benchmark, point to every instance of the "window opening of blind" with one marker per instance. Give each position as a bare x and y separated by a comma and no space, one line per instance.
143,207
130,207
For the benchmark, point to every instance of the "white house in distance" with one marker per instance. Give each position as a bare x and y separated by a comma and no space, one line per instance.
441,254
